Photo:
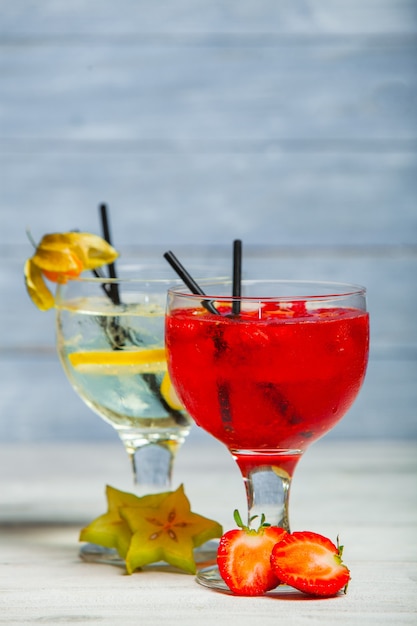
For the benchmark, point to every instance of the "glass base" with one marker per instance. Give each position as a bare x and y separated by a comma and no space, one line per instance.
205,556
210,577
92,553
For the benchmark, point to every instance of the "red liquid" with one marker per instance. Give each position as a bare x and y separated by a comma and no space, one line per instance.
270,384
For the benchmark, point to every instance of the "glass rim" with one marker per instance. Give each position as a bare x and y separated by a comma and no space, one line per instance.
336,289
171,278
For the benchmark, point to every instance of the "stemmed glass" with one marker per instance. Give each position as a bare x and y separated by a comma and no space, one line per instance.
110,340
267,373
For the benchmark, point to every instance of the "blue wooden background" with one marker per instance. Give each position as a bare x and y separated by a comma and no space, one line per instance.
291,124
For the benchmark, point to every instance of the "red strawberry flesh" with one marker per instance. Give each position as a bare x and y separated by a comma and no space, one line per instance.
311,563
244,560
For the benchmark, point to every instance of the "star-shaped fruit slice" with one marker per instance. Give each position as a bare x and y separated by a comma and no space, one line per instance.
112,531
167,532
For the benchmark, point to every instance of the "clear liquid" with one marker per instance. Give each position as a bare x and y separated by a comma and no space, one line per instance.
127,395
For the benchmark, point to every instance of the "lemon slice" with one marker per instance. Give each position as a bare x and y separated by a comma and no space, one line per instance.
119,362
169,394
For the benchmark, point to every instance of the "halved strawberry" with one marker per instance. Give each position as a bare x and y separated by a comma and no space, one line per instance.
244,557
311,563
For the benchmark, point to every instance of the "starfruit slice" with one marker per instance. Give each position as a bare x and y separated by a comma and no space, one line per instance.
168,532
60,257
112,531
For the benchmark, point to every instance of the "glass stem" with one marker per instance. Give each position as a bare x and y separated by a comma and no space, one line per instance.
268,488
152,465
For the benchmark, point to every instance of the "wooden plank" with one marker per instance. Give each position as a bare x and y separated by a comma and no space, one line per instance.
155,97
23,17
276,198
38,404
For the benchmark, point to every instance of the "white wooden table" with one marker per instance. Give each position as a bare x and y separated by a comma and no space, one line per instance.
364,491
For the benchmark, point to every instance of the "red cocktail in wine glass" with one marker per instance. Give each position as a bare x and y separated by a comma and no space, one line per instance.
267,374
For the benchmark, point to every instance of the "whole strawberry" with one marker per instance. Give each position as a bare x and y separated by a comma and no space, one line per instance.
311,563
244,557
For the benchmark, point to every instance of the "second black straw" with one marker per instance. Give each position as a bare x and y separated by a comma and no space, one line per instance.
237,275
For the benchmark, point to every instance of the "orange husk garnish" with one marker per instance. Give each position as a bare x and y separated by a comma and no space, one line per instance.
60,257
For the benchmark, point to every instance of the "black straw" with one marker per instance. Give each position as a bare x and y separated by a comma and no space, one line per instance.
189,281
237,275
113,288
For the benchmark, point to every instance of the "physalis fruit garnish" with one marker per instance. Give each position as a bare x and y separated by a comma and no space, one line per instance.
60,257
152,528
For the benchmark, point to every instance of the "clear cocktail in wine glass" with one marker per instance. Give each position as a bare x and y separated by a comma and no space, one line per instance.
110,340
267,374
